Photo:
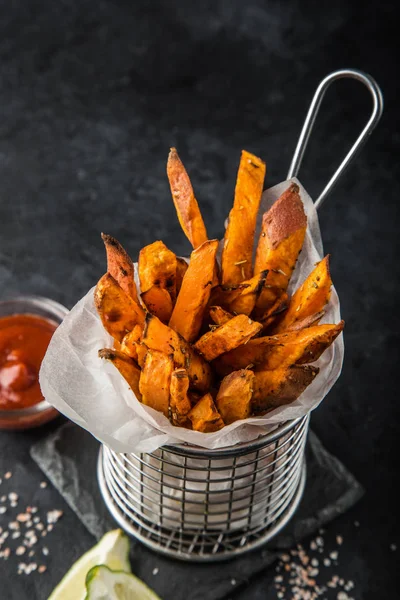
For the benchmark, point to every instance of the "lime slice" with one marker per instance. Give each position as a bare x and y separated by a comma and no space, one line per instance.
112,550
104,584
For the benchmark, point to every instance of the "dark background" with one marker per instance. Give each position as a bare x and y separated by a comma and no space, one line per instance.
93,94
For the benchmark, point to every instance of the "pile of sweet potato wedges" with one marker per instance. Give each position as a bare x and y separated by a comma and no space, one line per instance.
209,342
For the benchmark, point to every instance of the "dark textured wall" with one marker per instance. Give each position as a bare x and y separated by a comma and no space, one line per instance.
93,94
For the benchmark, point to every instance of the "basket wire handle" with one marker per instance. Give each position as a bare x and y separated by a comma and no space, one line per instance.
376,114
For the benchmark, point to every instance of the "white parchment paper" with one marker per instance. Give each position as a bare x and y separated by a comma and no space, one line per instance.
92,393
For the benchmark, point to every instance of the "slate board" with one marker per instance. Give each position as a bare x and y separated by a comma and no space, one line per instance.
69,456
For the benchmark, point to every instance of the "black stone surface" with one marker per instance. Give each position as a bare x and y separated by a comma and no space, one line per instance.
92,94
69,459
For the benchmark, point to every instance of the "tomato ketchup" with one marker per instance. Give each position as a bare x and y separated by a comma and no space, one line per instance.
23,343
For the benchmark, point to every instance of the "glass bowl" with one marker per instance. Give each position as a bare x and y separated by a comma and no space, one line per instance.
42,412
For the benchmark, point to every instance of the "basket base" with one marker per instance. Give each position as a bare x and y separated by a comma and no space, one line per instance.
187,546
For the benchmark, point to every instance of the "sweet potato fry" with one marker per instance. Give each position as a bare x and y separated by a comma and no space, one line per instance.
130,342
307,322
282,386
280,305
158,336
120,266
191,303
181,268
234,396
118,312
185,202
158,301
235,332
281,350
155,380
244,301
281,239
126,366
237,254
309,299
204,415
141,350
219,315
179,403
157,266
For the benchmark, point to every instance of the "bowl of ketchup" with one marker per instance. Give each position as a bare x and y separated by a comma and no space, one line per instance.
27,324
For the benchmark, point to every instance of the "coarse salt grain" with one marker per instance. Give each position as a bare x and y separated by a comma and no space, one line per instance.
53,516
393,547
3,498
155,571
13,497
339,540
45,551
327,562
334,555
3,509
233,581
20,550
8,475
15,535
43,484
23,517
42,568
356,524
13,525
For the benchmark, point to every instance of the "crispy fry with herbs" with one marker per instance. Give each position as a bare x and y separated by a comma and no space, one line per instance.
279,306
157,266
130,342
155,380
234,396
281,350
120,266
309,299
204,415
158,336
237,254
244,300
126,366
118,312
158,301
194,294
235,332
282,386
181,268
186,206
179,403
219,315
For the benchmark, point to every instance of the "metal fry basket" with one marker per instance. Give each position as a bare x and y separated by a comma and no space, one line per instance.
200,505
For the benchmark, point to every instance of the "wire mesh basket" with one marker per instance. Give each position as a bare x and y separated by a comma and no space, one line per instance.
198,504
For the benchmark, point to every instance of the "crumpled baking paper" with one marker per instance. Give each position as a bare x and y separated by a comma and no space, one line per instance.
92,393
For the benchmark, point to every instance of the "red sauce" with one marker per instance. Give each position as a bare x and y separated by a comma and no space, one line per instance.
23,344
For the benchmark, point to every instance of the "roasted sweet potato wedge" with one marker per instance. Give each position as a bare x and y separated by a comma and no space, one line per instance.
309,299
118,312
141,350
179,403
157,266
158,301
270,315
280,350
237,254
130,342
181,268
235,332
234,396
155,380
204,415
126,366
158,336
244,301
219,315
120,266
282,386
185,202
307,322
281,239
191,303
